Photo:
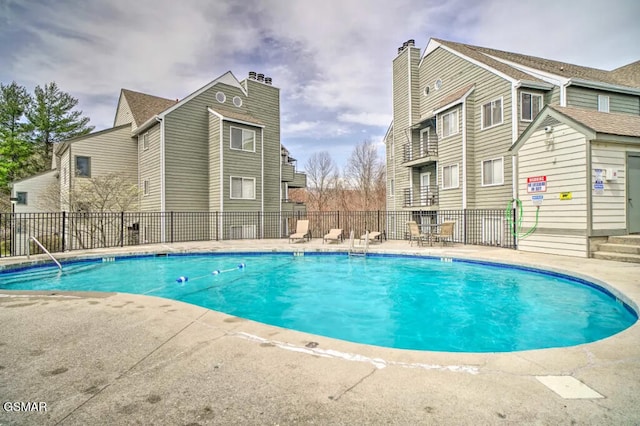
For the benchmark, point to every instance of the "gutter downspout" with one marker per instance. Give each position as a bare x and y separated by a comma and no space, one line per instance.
221,209
589,197
464,153
162,181
410,138
262,183
514,138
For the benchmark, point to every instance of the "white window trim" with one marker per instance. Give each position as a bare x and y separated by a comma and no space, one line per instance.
532,94
231,178
600,99
452,112
145,187
243,130
482,184
457,165
501,113
145,141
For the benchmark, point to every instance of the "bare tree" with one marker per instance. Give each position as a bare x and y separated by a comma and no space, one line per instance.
321,180
365,173
92,202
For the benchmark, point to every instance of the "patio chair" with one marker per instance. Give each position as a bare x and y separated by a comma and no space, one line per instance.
302,231
445,234
415,234
333,235
373,236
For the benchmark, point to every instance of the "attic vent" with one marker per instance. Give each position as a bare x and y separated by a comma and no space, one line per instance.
237,101
220,97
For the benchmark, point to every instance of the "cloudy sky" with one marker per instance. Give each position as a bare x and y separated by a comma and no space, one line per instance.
330,58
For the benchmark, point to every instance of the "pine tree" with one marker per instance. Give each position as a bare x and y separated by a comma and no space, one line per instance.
15,146
53,119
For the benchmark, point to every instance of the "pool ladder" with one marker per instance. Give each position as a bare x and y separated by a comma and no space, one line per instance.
358,250
35,240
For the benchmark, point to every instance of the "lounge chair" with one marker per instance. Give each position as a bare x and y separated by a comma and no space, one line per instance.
333,235
415,234
445,234
373,235
302,231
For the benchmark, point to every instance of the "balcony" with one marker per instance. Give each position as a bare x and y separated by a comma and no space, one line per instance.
293,178
289,206
419,153
424,197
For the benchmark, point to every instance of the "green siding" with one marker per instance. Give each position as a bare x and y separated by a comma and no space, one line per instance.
241,164
588,98
149,161
214,163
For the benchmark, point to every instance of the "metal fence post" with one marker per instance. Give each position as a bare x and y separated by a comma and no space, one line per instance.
171,225
64,231
514,232
121,229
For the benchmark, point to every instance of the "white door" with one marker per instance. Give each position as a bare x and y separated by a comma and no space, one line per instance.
425,193
424,141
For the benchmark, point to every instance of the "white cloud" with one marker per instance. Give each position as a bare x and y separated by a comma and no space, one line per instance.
366,118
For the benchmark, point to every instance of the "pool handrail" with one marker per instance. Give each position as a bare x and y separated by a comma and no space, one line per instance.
35,240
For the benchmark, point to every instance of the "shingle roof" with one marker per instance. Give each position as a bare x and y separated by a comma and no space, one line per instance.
629,75
236,115
452,97
603,122
144,106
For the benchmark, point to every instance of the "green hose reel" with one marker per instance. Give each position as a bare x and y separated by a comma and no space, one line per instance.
516,228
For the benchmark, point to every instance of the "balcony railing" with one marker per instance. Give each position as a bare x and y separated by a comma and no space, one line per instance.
424,197
419,151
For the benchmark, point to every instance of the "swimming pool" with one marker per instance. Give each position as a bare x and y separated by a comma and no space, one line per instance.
395,301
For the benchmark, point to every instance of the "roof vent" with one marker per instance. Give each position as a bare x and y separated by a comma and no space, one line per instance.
252,75
405,44
268,80
400,49
260,77
411,42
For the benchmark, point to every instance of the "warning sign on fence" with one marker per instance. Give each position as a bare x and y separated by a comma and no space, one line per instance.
536,184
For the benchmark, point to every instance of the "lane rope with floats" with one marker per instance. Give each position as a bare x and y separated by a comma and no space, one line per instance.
184,278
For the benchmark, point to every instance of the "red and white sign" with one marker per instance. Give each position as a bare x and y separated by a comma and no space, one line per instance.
536,184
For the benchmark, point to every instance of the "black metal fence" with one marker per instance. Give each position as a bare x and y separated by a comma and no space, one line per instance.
65,231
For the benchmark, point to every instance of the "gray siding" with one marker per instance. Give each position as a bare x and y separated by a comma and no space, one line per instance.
588,98
149,161
215,124
450,153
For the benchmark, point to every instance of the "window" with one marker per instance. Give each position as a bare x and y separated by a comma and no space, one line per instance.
221,97
237,101
492,172
450,177
603,103
450,124
83,166
530,106
492,113
243,139
21,198
145,187
145,141
243,188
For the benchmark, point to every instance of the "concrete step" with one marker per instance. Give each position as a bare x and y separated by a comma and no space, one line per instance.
626,239
619,248
619,257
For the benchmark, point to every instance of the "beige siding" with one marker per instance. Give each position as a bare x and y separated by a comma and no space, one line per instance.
149,161
263,103
588,98
40,189
562,225
552,97
123,114
609,208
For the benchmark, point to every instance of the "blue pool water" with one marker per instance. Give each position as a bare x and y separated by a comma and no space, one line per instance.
393,301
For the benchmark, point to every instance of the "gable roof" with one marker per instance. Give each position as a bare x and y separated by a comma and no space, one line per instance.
144,106
594,124
454,97
235,116
609,123
628,75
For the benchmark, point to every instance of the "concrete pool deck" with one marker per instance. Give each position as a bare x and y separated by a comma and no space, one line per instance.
97,358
